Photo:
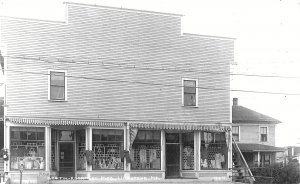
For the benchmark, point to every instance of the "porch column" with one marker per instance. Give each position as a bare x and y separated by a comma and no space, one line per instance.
258,159
126,146
88,143
48,148
163,150
229,150
197,145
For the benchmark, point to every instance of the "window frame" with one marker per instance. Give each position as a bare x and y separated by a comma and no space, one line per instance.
239,133
260,134
65,86
183,94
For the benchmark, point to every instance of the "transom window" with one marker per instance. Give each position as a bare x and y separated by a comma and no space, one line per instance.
236,133
263,134
189,92
57,86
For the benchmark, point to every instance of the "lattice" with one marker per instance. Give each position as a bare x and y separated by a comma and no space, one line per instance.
53,157
144,156
188,157
214,156
81,162
107,157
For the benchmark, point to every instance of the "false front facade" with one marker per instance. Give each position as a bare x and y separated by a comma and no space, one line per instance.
116,90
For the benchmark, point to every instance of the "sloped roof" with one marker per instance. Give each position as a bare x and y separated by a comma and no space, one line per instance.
242,114
249,147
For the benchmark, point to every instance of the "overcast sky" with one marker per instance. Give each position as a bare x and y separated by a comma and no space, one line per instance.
268,43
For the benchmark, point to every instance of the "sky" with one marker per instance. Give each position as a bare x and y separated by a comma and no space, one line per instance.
267,43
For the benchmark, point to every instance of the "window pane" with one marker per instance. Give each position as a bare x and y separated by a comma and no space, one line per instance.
235,129
214,151
57,78
145,153
189,83
190,99
57,93
25,149
107,146
81,160
188,151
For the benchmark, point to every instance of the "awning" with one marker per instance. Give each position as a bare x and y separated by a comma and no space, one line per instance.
180,126
42,121
132,124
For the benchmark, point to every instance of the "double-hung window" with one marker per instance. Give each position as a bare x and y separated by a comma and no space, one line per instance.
236,133
57,86
263,134
190,92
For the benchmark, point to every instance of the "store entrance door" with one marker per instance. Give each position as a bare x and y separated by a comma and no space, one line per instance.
172,155
66,159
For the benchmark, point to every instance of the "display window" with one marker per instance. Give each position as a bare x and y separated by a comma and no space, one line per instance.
214,151
107,147
53,149
80,141
188,151
146,149
27,148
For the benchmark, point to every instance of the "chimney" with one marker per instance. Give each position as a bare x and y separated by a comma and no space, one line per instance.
235,101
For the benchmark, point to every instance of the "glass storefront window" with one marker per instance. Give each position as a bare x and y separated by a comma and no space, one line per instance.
214,151
145,153
188,151
53,148
81,159
107,146
27,147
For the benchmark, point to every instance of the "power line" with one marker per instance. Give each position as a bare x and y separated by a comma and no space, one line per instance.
132,66
159,84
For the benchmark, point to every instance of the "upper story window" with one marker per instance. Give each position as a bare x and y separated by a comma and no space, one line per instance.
236,133
57,86
263,134
190,92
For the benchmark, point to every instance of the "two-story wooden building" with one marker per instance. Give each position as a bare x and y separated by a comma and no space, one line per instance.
115,93
255,135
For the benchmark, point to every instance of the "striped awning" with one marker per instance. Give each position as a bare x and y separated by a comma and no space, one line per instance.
132,124
181,126
41,121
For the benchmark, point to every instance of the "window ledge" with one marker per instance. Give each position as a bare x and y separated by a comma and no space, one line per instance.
57,100
189,106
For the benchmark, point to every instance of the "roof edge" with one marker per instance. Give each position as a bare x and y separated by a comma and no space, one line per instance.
208,36
33,20
123,9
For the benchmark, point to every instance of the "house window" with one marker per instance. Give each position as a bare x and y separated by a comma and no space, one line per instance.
107,147
265,159
263,134
57,91
190,93
145,153
27,148
236,133
214,151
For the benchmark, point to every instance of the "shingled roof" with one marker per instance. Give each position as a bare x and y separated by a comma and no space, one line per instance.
249,147
242,114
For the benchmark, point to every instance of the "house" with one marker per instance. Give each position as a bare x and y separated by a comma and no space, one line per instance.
115,93
255,135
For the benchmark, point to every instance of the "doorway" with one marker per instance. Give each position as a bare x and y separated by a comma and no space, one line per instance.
172,155
66,159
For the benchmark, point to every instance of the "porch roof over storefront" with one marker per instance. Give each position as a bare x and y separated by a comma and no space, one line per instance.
132,124
248,147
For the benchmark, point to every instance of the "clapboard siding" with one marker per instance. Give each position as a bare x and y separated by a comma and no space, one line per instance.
92,43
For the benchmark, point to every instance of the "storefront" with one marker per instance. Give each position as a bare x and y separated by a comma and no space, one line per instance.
77,149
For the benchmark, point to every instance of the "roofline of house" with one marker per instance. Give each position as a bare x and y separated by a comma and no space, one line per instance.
124,9
208,36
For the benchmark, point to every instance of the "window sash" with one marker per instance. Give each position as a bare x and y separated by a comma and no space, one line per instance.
189,92
57,85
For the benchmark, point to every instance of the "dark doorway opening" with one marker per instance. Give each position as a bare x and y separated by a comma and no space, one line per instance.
172,155
66,159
